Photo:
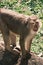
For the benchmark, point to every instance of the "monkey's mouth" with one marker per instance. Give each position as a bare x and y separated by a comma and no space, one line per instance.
36,26
35,29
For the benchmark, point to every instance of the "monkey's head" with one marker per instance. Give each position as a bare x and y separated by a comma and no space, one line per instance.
35,24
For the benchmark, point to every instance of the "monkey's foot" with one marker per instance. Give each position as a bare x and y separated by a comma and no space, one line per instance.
25,58
27,55
17,49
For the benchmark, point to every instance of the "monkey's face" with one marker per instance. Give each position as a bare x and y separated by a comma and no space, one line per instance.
34,24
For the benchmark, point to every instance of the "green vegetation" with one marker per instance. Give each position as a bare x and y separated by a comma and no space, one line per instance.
28,7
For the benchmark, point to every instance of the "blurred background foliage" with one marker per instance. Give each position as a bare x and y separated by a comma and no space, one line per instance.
28,7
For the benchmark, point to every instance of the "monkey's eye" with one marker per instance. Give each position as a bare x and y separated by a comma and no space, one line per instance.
37,22
32,23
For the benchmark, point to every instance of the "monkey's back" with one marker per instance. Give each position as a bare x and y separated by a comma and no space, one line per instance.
14,20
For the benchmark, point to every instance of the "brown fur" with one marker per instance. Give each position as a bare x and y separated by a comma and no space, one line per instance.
13,38
20,24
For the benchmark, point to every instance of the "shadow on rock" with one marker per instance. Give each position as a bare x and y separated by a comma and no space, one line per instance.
9,58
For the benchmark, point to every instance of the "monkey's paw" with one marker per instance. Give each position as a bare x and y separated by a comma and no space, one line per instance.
28,55
25,58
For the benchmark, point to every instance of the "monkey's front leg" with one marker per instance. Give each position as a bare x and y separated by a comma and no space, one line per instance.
25,55
28,41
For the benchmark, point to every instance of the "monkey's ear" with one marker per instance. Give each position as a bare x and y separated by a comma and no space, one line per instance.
27,21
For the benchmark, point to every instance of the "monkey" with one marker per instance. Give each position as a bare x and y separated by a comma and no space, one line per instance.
21,24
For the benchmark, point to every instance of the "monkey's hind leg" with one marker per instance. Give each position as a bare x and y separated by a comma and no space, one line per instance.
5,33
7,40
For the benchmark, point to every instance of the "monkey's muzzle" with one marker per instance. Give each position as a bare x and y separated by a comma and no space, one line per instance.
36,26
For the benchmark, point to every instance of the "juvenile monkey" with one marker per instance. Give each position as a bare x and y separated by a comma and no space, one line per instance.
23,25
